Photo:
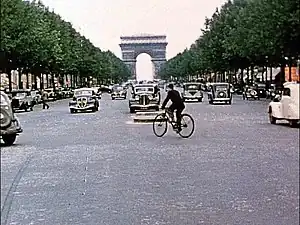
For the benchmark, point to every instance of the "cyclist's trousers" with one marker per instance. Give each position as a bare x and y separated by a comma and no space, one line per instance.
179,110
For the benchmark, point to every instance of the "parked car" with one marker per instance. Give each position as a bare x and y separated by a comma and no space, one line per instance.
9,124
286,106
118,92
36,97
219,92
251,92
50,94
21,100
84,99
144,97
192,91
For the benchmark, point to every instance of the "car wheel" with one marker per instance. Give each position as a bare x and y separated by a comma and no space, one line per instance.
9,139
200,99
112,98
132,110
272,119
229,102
72,111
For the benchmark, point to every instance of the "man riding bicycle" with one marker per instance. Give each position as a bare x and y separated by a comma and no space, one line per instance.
177,104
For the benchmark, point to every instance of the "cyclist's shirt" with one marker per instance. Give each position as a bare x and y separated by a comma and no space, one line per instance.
176,99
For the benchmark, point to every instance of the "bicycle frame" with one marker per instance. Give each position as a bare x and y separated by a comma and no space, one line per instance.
169,119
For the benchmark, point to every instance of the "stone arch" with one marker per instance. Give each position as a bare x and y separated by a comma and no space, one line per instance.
153,45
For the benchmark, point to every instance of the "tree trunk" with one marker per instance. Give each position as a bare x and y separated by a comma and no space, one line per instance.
27,80
247,80
20,83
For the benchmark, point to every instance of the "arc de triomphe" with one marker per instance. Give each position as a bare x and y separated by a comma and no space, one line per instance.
153,45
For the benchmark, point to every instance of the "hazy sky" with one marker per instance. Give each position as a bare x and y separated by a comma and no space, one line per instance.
104,21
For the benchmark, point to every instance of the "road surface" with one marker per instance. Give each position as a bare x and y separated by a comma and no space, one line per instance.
100,168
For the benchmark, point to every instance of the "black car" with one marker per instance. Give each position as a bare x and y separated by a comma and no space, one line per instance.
219,92
262,92
251,92
118,92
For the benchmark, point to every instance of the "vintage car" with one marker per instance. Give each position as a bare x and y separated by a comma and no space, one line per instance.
50,94
286,106
118,91
84,99
105,89
36,97
144,97
262,92
251,92
219,92
272,91
192,91
9,124
21,100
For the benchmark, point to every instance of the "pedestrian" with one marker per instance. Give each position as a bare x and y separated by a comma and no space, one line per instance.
44,97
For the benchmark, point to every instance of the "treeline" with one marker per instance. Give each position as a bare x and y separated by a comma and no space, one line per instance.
35,40
243,34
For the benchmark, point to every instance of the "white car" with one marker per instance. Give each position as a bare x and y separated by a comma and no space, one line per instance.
286,106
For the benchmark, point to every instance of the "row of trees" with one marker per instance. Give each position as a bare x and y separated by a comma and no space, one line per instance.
243,34
35,40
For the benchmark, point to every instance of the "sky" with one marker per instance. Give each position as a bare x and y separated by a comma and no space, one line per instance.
104,21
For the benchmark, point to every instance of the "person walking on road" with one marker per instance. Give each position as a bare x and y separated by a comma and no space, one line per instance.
44,97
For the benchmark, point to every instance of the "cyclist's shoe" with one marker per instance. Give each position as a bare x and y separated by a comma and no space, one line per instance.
178,130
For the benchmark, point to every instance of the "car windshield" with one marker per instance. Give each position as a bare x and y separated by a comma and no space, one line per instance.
144,89
84,92
221,87
192,87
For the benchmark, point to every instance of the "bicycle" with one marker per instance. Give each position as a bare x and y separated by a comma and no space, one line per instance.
162,120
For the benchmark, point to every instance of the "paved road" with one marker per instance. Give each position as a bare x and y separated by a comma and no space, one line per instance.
96,168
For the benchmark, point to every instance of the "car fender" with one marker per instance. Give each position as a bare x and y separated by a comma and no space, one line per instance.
275,108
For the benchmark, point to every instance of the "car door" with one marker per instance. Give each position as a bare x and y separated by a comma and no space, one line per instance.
285,102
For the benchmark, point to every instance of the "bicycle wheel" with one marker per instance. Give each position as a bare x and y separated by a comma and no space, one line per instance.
187,126
160,125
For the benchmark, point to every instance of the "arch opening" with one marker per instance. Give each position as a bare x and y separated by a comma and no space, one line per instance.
144,67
